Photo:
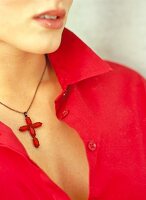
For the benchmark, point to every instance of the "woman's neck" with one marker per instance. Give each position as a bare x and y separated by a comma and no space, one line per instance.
20,71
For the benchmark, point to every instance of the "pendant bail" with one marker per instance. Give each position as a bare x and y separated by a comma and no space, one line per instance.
25,114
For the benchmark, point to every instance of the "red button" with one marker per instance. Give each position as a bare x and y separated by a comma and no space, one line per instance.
64,114
92,145
66,91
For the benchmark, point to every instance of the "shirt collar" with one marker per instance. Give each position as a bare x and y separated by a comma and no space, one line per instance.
75,61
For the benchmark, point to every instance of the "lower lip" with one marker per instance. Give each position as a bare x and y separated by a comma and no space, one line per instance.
51,23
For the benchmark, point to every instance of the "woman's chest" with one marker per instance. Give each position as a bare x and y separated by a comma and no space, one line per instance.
62,156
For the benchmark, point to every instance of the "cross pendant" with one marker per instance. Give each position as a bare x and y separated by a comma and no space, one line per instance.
31,128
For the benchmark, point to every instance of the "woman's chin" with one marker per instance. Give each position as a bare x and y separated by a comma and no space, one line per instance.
40,49
49,47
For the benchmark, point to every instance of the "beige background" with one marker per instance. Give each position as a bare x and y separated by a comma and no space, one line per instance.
114,29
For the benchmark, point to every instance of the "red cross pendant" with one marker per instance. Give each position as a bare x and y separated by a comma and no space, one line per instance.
31,128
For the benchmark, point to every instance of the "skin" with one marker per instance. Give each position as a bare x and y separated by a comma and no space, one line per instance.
23,43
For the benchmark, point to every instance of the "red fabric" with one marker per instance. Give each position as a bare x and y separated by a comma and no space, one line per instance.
106,104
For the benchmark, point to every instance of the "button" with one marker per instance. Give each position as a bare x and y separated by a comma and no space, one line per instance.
64,114
66,91
92,145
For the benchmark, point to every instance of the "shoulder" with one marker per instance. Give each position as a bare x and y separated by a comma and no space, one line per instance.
123,70
125,79
122,77
115,90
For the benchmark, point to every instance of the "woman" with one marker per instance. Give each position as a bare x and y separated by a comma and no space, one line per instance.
72,125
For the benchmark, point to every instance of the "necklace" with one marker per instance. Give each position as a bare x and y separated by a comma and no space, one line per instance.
29,125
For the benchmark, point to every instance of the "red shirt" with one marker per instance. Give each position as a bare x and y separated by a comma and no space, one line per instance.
106,104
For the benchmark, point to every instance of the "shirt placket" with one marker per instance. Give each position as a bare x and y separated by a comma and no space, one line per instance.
65,111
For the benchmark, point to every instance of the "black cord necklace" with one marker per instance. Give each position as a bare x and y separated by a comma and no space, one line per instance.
29,125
